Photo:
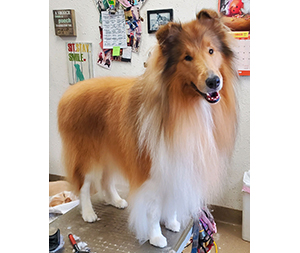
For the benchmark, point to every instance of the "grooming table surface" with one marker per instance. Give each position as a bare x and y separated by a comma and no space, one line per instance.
111,233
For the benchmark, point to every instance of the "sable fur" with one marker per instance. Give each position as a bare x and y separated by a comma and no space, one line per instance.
168,142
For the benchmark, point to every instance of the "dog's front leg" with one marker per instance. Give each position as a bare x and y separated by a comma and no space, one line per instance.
155,236
172,223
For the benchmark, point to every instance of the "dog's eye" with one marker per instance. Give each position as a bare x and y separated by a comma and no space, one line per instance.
211,51
188,58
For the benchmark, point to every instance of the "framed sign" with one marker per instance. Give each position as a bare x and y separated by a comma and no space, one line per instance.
156,18
80,61
64,22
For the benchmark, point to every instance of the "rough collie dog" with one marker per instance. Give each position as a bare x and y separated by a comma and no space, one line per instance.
169,132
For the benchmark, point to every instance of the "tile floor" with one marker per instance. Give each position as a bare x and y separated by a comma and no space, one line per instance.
229,236
228,239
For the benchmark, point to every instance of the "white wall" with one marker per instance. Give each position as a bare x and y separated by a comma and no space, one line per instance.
87,17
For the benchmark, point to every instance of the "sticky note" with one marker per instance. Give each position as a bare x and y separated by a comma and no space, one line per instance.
111,2
116,51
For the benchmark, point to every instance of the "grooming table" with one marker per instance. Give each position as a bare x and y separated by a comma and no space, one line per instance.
111,233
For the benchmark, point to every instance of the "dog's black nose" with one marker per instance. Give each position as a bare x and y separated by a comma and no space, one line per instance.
213,82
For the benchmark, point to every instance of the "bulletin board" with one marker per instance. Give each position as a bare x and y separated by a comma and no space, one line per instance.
120,30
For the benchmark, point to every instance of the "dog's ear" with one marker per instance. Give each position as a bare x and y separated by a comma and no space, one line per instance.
207,16
168,34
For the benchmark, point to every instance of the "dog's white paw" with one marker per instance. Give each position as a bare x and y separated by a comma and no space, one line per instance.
120,203
89,216
174,226
159,241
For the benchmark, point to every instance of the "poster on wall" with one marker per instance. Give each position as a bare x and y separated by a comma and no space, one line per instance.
235,14
80,61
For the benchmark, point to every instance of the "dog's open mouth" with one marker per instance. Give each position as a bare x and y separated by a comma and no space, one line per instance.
212,97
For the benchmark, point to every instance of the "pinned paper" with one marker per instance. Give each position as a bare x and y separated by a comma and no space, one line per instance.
116,51
127,53
114,29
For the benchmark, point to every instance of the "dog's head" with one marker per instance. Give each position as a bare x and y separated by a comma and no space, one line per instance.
195,53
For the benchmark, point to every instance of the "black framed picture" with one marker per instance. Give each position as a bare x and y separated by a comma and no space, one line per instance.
156,18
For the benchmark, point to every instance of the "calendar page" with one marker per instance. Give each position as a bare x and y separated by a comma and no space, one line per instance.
242,50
